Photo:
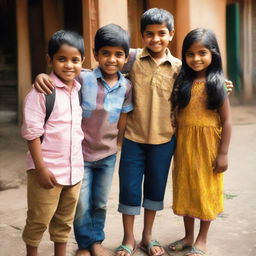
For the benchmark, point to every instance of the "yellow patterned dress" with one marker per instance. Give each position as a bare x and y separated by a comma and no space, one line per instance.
197,190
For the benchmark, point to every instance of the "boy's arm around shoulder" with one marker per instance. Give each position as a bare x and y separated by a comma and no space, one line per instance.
44,84
221,163
131,59
82,76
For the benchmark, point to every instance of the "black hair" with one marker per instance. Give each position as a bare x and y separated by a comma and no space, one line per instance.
214,74
156,16
70,38
112,35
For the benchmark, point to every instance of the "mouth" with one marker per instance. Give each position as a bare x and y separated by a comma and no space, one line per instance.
196,65
156,45
111,66
69,72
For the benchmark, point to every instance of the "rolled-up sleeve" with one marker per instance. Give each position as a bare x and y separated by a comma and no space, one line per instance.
33,115
128,105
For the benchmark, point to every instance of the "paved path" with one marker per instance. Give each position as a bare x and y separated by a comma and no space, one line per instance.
232,234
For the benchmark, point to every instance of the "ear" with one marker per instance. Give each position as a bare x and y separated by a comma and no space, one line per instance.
82,60
95,54
48,61
171,34
126,59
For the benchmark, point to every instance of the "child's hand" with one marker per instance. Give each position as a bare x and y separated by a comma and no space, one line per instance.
221,163
229,86
45,178
44,84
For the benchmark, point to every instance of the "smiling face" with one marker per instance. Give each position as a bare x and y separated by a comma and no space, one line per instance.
111,59
198,58
66,63
156,38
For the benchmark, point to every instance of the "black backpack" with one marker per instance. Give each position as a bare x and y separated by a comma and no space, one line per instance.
49,104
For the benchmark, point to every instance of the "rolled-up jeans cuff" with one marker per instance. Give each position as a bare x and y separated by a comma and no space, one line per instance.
153,205
129,210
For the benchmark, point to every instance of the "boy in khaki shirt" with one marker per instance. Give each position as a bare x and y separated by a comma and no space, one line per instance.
149,142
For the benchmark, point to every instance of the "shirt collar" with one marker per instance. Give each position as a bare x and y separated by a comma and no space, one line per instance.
121,80
169,58
60,84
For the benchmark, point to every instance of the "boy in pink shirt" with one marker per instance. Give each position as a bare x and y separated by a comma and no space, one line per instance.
55,163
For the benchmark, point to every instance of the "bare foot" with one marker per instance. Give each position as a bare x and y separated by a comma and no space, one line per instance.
83,252
98,249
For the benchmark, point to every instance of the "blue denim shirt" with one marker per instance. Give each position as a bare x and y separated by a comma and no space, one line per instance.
102,106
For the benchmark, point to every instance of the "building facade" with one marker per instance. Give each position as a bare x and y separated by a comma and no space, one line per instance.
26,26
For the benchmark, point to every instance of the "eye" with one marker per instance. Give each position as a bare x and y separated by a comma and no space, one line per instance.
202,53
189,54
105,53
76,60
61,59
119,54
148,33
162,33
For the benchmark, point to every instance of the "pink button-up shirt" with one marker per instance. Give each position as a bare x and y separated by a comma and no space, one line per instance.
61,146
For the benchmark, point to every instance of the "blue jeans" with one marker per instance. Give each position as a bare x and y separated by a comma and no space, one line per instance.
92,204
144,165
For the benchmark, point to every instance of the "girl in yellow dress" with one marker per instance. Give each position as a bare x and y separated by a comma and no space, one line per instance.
203,133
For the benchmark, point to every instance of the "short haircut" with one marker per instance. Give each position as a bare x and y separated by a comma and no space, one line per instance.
156,16
112,35
70,38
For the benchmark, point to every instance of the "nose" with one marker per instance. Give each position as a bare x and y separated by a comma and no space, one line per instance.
155,38
196,57
68,64
111,58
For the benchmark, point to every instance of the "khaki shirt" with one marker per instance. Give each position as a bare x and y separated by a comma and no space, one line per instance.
150,120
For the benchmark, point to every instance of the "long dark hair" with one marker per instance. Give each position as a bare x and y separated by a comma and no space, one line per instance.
214,74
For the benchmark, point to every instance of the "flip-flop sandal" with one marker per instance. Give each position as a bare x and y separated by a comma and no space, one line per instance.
147,248
178,245
195,250
126,248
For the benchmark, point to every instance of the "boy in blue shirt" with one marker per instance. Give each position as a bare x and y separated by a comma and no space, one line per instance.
106,98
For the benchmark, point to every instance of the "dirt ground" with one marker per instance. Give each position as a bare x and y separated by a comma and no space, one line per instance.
232,234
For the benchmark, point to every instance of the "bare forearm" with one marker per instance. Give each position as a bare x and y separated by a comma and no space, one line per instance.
121,128
225,137
225,116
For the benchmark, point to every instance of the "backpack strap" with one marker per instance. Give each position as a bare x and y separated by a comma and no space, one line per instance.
49,104
80,96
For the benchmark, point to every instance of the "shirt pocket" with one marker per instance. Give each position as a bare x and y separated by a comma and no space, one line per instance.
113,103
163,85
